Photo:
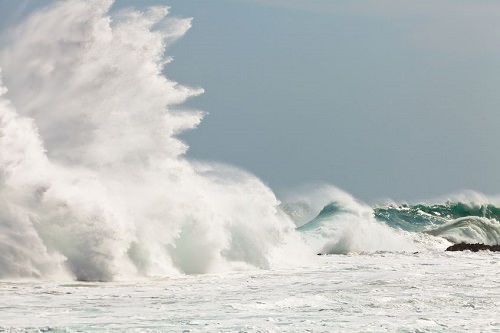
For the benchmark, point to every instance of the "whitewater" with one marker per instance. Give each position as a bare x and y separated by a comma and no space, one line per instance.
106,224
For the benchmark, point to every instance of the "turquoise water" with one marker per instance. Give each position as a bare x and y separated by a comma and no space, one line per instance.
355,227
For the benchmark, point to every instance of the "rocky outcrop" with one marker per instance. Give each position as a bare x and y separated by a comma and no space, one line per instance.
473,247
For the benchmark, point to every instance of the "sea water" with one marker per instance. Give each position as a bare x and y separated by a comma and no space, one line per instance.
106,225
379,292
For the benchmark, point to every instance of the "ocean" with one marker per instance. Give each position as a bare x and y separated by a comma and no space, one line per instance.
377,292
107,226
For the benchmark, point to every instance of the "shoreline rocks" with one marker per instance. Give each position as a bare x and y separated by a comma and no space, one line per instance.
473,247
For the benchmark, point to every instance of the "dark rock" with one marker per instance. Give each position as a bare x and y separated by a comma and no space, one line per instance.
473,247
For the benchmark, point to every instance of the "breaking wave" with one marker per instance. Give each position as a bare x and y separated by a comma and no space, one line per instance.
345,225
472,221
93,181
470,230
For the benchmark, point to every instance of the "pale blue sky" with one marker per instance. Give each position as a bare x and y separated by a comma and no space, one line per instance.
384,99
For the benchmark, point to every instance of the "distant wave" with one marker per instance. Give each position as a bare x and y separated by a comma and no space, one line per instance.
421,216
470,230
456,222
344,226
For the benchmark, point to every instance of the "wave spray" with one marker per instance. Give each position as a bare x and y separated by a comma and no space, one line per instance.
94,184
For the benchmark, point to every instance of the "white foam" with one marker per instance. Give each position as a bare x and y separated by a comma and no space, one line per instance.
351,228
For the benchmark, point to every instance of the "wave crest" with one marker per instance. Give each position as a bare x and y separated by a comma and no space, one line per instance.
470,230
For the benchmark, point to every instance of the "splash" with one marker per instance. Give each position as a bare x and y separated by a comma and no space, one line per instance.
94,184
345,225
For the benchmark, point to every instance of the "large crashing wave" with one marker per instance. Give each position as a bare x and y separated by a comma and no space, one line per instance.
93,182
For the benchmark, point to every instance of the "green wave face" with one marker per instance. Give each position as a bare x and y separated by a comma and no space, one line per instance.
454,221
421,217
329,211
416,218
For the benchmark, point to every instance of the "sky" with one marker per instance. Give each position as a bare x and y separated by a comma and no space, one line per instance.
384,99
